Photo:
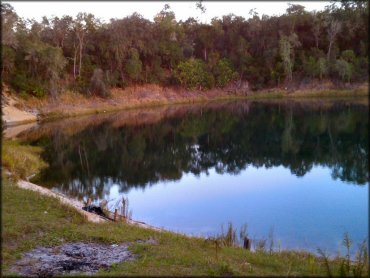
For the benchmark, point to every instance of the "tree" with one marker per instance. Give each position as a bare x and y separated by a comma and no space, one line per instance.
8,22
41,71
316,29
322,67
9,40
134,65
285,53
53,63
82,26
334,27
260,49
199,5
61,28
287,45
168,34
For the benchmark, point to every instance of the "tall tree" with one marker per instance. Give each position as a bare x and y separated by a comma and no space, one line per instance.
334,27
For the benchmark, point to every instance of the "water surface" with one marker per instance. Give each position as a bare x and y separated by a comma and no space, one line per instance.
299,169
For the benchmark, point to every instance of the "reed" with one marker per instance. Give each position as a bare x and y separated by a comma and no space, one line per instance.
347,268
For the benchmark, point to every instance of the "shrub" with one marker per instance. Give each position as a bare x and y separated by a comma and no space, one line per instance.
224,73
193,73
134,65
344,69
25,85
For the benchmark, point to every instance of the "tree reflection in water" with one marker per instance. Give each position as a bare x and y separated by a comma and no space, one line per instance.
227,137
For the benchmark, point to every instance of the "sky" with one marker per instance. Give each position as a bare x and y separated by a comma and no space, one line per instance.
106,10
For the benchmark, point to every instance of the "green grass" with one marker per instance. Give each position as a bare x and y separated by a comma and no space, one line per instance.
31,220
21,160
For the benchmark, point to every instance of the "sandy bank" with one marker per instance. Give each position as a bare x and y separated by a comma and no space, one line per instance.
11,115
14,116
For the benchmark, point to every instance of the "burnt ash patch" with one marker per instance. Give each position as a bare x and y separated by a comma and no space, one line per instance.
71,258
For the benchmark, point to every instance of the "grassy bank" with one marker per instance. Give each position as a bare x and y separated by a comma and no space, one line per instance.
74,104
31,220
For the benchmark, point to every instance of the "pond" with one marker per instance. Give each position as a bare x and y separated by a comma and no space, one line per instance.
294,170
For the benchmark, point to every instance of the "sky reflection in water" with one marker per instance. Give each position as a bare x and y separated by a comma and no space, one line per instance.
310,212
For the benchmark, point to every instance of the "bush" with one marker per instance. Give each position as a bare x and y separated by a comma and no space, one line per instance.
193,73
224,73
19,82
134,66
22,84
344,69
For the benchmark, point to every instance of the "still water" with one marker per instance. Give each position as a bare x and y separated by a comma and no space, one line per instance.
298,170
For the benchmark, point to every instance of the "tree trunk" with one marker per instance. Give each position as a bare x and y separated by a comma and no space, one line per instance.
122,77
329,50
80,58
74,62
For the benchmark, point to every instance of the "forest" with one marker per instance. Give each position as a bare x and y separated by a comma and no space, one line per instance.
85,54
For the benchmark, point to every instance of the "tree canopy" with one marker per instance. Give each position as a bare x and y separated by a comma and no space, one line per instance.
266,51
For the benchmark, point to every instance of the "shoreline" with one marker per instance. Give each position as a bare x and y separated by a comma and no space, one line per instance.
95,219
23,111
77,205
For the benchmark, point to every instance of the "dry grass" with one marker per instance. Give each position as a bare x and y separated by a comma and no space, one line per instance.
149,95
